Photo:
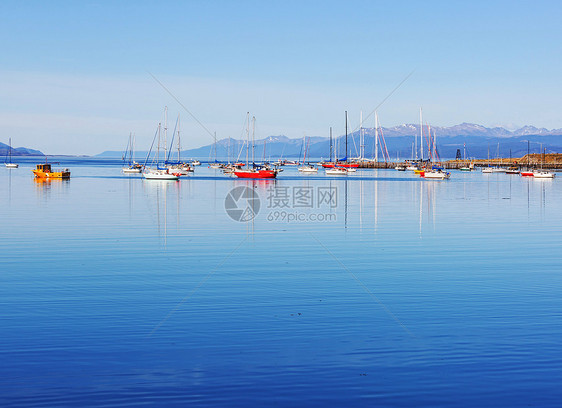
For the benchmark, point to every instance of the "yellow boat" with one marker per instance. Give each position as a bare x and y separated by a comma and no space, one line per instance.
44,171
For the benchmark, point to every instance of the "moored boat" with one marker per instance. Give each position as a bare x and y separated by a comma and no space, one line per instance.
45,171
128,156
348,165
135,168
543,174
160,174
308,169
470,167
256,173
435,174
336,171
157,172
8,161
512,170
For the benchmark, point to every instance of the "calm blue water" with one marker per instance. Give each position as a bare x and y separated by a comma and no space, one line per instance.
117,291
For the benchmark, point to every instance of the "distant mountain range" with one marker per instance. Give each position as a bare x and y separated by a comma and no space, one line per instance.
19,151
479,140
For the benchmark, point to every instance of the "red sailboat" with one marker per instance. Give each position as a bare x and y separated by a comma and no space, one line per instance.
255,171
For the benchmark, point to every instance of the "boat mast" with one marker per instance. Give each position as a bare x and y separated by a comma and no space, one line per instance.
158,146
247,138
228,151
376,137
331,147
361,137
253,139
305,146
429,149
165,132
528,153
346,136
421,136
434,145
179,143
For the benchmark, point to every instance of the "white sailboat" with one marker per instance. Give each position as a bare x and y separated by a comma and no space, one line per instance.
128,156
489,168
8,161
337,171
307,168
177,167
436,175
496,168
541,173
215,164
157,172
436,172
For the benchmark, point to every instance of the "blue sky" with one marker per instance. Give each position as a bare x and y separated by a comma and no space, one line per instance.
74,74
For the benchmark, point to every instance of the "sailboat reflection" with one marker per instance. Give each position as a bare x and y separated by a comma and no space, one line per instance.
157,194
429,191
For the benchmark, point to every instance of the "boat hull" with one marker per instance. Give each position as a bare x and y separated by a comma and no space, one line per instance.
130,170
256,174
543,174
308,169
435,175
160,175
336,172
12,165
52,175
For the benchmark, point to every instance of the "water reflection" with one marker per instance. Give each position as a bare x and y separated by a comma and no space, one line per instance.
45,186
157,193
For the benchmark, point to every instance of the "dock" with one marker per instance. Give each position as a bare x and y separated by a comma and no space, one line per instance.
551,161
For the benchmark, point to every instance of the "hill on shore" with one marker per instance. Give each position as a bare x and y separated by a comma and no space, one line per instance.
19,151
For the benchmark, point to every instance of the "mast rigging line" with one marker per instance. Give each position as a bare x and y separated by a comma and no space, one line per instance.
181,104
385,99
172,141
